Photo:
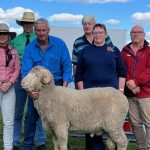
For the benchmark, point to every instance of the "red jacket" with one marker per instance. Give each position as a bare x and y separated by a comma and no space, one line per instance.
138,69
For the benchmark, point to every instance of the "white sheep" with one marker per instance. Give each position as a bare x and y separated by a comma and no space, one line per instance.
89,111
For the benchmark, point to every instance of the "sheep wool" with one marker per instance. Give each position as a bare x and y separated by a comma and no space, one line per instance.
91,110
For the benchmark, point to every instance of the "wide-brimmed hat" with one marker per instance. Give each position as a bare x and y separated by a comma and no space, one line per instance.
27,17
5,29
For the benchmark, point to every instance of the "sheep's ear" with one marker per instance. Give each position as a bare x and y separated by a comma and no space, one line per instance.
46,78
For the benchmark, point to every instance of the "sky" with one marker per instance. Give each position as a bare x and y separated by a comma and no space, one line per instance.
115,14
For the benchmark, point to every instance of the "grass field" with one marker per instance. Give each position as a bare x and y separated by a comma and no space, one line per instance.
74,142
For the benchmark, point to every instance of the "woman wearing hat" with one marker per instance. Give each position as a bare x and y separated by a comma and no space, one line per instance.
9,72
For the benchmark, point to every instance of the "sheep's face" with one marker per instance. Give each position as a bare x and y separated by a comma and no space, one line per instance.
36,79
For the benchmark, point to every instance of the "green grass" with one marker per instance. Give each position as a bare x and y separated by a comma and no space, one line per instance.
75,143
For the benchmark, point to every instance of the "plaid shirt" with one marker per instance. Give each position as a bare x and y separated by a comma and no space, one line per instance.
10,72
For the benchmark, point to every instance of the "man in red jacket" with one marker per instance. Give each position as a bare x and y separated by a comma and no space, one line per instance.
136,56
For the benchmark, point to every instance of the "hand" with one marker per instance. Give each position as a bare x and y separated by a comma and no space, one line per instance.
4,87
131,84
34,95
121,90
136,90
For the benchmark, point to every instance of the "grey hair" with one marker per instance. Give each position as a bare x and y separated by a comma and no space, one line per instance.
88,18
41,20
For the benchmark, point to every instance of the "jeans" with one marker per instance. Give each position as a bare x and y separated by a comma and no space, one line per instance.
31,120
94,143
7,104
21,98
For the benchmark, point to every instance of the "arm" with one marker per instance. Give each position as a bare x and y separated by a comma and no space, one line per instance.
80,85
75,56
144,77
4,87
16,70
74,69
130,84
121,69
66,65
121,84
27,63
65,84
120,65
80,72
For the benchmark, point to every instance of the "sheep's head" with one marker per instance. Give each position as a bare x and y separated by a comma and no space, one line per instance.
36,79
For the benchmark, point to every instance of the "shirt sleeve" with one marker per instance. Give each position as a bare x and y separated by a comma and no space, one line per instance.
66,64
16,70
121,68
75,53
144,77
26,63
80,68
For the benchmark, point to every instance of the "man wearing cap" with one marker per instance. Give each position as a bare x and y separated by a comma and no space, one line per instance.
19,43
9,72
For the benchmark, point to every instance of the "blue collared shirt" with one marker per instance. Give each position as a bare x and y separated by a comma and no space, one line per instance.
55,58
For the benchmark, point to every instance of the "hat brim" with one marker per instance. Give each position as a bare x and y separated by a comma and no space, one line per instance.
20,22
12,34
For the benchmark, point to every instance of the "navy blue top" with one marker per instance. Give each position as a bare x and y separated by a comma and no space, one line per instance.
80,43
100,67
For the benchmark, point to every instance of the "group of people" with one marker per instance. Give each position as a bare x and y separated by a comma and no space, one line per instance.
96,63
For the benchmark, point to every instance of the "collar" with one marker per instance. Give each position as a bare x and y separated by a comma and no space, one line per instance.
85,39
50,42
32,33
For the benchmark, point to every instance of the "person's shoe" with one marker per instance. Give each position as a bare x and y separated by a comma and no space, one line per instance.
15,148
41,147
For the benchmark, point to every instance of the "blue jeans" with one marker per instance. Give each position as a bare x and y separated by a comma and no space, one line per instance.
21,98
94,143
32,118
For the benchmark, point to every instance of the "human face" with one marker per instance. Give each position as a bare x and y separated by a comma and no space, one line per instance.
4,37
88,26
42,30
99,35
28,27
137,35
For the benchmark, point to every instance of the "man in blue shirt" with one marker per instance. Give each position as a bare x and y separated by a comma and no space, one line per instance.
19,43
51,53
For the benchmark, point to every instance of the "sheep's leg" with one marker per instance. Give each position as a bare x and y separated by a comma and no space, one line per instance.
55,143
110,144
119,137
60,139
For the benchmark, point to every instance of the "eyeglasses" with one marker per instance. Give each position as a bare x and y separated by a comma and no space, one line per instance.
98,33
137,32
